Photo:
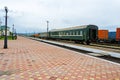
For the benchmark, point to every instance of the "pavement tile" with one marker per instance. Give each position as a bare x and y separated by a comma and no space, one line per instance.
27,59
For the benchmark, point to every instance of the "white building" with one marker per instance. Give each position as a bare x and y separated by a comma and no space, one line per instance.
2,31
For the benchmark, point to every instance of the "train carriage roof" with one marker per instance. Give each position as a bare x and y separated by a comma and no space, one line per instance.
72,28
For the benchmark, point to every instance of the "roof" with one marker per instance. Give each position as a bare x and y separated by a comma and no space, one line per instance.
71,28
3,27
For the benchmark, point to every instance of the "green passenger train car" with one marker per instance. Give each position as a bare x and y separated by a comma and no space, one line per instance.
86,33
43,35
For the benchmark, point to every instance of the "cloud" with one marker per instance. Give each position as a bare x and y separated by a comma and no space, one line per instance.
31,15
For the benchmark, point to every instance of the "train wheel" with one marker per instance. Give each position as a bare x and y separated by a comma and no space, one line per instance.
88,42
77,42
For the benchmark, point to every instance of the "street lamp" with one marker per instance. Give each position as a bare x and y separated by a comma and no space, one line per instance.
5,39
1,28
13,32
47,28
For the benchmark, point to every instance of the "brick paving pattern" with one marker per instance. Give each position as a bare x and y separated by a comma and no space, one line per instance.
27,59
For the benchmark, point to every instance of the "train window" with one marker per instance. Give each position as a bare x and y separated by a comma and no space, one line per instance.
59,33
70,33
64,33
77,33
73,33
81,33
67,33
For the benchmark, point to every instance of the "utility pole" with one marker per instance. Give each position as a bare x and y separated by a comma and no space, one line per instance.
47,28
13,32
5,39
0,27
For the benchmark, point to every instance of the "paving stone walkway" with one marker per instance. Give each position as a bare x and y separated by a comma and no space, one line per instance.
27,59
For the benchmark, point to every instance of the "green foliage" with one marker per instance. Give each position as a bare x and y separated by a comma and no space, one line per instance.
8,37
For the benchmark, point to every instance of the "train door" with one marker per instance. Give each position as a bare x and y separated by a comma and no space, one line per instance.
92,34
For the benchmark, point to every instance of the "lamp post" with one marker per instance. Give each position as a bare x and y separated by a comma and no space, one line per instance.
1,28
47,28
13,32
5,39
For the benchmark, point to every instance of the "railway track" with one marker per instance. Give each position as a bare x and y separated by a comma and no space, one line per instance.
106,57
96,46
93,45
107,45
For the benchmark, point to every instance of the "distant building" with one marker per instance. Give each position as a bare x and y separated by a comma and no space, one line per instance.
2,31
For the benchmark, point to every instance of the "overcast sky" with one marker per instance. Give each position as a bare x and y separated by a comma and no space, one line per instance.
31,15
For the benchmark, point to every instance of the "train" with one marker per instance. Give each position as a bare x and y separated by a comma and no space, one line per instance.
111,37
84,34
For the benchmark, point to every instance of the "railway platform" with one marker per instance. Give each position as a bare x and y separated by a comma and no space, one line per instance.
27,59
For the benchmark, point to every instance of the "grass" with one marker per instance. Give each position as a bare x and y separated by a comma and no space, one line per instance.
8,37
